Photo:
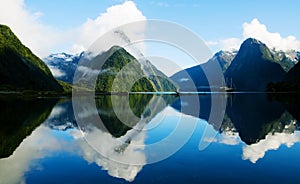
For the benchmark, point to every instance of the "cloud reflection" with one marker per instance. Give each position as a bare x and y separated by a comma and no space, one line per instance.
36,146
125,152
257,151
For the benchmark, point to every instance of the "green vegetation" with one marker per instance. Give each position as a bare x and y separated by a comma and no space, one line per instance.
115,65
20,69
131,77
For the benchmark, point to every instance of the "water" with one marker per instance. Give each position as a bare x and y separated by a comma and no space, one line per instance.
161,139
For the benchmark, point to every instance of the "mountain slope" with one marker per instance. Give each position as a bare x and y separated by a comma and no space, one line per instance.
20,69
118,62
287,60
254,67
189,77
290,82
294,74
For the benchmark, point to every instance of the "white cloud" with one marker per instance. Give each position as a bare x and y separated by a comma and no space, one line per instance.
56,72
257,151
160,4
114,16
225,44
40,38
256,29
259,31
229,138
231,43
43,39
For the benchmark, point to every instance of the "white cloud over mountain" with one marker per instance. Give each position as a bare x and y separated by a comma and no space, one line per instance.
258,30
114,16
39,37
272,39
43,39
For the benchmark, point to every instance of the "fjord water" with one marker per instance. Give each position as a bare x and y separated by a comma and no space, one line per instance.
42,142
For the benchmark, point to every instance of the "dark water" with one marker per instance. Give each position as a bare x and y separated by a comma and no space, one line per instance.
150,139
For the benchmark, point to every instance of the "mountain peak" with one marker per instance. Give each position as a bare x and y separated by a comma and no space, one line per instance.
252,41
254,61
4,28
226,52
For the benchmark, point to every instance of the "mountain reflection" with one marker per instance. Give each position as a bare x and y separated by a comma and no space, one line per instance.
115,147
261,123
18,118
118,144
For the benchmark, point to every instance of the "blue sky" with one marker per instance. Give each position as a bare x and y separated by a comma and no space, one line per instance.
213,19
69,25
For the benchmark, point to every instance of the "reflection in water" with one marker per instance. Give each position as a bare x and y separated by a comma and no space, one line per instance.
36,146
257,151
252,123
118,142
120,139
112,147
260,123
18,118
253,115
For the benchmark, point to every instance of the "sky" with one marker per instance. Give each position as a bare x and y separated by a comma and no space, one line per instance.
73,25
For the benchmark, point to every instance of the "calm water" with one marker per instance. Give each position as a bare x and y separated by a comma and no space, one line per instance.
150,139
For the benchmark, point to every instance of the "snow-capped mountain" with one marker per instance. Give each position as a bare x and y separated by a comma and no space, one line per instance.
293,55
224,58
195,76
287,59
63,66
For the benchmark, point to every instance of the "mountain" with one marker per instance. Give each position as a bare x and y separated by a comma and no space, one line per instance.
148,81
254,116
287,60
293,75
133,76
254,66
20,69
63,66
293,55
290,82
189,77
224,58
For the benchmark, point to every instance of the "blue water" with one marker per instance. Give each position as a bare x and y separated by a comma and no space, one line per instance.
57,153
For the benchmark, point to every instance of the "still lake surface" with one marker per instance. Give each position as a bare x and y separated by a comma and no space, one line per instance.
159,139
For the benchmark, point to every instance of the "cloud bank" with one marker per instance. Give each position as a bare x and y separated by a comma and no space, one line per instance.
26,26
274,40
258,30
43,39
114,16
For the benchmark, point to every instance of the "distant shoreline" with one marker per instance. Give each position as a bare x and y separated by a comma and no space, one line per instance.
52,94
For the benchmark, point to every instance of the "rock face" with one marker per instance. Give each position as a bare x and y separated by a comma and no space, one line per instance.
20,69
254,67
